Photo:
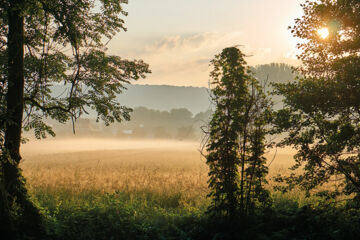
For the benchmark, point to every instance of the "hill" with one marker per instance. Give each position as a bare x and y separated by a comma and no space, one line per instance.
165,97
195,99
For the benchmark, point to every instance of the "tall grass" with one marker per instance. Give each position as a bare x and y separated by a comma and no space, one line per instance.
153,194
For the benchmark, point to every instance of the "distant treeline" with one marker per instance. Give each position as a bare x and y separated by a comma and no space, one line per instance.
274,73
195,99
168,111
178,124
268,74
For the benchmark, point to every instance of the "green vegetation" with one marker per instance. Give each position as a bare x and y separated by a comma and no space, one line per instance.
321,114
236,145
161,194
320,119
32,59
96,215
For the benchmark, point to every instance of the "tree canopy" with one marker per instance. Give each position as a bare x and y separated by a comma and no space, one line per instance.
44,43
64,44
236,144
322,114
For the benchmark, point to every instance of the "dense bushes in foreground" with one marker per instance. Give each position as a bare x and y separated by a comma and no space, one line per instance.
142,215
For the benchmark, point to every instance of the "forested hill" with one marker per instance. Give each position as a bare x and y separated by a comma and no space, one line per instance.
165,97
195,99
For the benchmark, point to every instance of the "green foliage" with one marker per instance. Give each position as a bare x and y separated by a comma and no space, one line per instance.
236,141
146,215
64,45
134,215
44,43
341,18
321,114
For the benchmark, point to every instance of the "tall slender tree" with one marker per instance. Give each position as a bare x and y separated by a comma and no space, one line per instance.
234,151
47,42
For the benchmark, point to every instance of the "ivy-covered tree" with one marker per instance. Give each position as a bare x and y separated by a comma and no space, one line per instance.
45,43
236,143
322,112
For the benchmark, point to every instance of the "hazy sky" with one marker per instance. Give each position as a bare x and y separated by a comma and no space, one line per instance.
178,38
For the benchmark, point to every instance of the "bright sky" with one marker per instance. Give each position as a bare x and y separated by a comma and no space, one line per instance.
178,38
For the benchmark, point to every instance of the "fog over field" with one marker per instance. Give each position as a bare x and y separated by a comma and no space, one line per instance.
158,150
186,120
66,145
135,167
280,157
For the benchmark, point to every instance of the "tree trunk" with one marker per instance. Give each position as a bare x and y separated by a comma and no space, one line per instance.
30,221
15,91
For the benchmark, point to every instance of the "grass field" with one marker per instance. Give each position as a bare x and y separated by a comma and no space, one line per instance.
105,165
115,189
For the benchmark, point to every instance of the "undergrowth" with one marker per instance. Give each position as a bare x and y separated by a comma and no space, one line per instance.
145,215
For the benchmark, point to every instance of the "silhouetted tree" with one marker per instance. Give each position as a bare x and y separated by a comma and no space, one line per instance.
179,123
236,141
160,132
186,132
322,111
274,73
180,115
33,36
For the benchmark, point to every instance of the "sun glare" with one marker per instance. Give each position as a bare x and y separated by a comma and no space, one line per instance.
323,32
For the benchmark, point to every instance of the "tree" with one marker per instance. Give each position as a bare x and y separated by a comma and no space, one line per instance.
322,111
236,144
185,132
43,43
274,73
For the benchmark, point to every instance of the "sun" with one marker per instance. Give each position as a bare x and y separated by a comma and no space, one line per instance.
323,32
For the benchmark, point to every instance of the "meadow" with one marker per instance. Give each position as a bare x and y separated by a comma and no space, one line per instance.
116,189
105,165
